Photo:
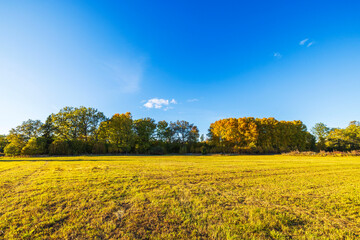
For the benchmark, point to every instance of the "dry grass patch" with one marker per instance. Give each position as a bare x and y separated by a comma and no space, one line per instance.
180,197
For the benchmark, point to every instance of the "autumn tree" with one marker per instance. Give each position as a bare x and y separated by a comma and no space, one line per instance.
260,135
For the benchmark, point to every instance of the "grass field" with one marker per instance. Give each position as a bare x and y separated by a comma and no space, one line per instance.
180,197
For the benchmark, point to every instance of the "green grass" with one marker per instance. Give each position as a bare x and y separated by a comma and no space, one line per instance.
180,197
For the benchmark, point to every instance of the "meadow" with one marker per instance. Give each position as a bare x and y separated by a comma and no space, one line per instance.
180,197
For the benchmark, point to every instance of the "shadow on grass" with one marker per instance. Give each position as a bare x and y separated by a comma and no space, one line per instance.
88,158
75,159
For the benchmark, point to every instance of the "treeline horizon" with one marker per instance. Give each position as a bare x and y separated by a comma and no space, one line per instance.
85,130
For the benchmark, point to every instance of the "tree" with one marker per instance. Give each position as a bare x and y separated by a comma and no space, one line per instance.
144,130
77,123
19,136
16,143
261,135
193,135
118,131
47,130
344,139
28,129
163,132
65,124
89,120
321,131
35,146
12,149
202,138
182,130
3,143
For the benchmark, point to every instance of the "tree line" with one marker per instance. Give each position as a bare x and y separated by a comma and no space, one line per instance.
255,135
85,130
337,139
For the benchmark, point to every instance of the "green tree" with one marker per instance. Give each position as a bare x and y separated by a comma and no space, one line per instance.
28,129
16,143
3,143
66,124
19,136
144,130
320,131
182,130
163,132
193,135
89,120
12,149
344,139
47,130
118,131
35,146
77,123
202,138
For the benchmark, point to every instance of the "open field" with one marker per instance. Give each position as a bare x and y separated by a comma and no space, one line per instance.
180,197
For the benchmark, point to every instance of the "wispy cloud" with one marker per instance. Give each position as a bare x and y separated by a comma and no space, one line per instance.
306,42
193,100
302,42
277,55
127,74
310,44
159,103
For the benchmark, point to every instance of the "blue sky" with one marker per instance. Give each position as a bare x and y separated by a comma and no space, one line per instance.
172,60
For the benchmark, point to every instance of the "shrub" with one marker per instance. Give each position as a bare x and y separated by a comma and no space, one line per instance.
59,147
12,149
157,150
183,149
204,150
99,148
35,146
324,154
113,148
80,147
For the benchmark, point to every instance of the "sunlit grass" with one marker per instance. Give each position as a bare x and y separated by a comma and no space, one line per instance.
180,197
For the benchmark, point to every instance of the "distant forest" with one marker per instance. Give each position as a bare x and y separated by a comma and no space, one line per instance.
74,131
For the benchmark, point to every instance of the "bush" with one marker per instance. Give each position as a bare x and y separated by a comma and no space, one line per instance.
204,150
80,147
59,147
35,146
99,148
157,150
12,149
324,154
113,148
183,149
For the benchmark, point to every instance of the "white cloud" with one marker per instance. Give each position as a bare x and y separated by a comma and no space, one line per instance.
277,55
302,42
193,100
159,103
309,44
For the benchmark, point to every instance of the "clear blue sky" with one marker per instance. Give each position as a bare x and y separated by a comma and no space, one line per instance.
216,59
